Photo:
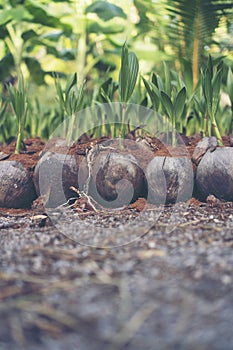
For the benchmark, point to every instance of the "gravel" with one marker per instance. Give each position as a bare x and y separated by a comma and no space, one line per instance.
169,289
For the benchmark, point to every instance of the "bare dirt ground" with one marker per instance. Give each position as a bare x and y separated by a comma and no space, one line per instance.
170,289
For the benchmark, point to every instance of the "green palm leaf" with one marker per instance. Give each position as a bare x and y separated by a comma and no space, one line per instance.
167,104
192,26
133,73
128,73
179,103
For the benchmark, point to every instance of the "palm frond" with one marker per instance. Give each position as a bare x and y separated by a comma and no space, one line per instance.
193,24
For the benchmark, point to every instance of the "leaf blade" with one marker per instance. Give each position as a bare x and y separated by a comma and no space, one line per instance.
180,102
133,73
167,103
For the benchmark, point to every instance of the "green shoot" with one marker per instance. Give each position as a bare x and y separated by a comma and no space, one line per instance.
19,103
128,74
211,83
153,92
165,98
3,120
106,95
174,109
229,90
127,80
107,91
3,108
71,100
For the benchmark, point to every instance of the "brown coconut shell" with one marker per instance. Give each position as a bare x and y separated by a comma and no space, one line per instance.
16,185
170,179
215,174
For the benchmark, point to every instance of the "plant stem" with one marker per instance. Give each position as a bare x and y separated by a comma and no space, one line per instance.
122,131
231,125
70,129
18,140
113,129
173,131
216,131
103,125
205,126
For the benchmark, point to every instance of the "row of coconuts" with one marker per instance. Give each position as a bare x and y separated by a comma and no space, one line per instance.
115,179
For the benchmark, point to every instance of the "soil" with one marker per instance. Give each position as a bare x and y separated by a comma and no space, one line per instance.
169,289
29,157
34,148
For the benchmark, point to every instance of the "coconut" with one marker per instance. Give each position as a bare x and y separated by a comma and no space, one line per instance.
55,175
116,179
215,174
16,185
170,179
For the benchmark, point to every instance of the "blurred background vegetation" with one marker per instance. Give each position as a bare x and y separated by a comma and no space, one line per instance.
43,39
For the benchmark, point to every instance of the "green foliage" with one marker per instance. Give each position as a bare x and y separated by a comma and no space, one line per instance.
72,98
107,91
211,84
127,80
40,15
229,91
193,111
153,91
179,103
229,86
18,100
174,109
44,39
192,27
128,74
3,119
105,10
168,97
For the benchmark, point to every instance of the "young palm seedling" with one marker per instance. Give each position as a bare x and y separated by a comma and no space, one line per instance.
211,83
174,108
19,103
105,96
199,110
71,100
229,90
126,85
171,99
127,80
3,110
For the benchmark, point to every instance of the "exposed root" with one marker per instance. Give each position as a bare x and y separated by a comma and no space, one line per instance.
93,204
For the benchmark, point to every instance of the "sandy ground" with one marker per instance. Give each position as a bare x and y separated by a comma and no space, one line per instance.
170,289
